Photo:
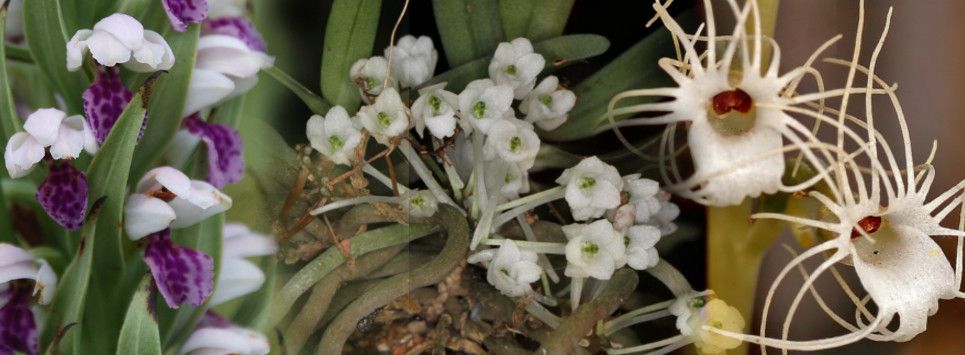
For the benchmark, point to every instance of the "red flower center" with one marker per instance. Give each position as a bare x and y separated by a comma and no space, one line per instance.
736,99
869,224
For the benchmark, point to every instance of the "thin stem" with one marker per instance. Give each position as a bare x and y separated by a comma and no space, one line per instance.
352,202
316,103
623,321
420,169
536,247
542,197
648,346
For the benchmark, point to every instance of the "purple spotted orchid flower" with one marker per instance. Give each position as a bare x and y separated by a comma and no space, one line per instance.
230,55
52,136
104,101
224,149
22,279
216,335
183,12
238,27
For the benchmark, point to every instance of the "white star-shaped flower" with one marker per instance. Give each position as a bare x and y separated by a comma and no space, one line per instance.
120,39
435,109
335,135
510,269
513,141
593,250
413,60
592,188
548,104
516,65
386,118
482,103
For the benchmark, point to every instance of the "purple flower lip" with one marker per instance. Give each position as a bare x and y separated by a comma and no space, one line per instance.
238,27
182,275
63,194
104,101
182,12
18,330
226,164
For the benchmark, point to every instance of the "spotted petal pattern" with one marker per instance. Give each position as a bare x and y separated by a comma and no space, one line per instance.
63,194
182,12
104,101
18,330
224,147
238,27
183,275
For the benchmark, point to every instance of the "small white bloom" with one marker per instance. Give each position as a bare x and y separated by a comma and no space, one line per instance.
120,39
225,67
22,153
641,244
335,135
227,340
226,8
652,206
420,203
436,109
509,269
18,264
386,118
548,104
515,64
507,178
694,312
413,60
165,197
514,141
593,250
483,102
592,187
369,75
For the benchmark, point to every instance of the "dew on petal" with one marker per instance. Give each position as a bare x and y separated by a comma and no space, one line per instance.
224,147
183,275
63,194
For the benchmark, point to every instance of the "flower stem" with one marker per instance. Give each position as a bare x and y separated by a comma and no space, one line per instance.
352,202
316,103
420,169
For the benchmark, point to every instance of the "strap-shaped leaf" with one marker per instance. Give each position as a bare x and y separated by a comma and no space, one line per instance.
634,69
469,29
170,94
534,19
47,39
559,52
349,36
83,14
9,120
140,335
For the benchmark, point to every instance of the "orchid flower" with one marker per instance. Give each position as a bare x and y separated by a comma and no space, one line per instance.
183,12
223,149
516,65
387,118
420,203
335,136
513,141
215,335
509,269
239,276
413,60
592,187
640,242
226,66
695,313
435,109
548,104
166,198
120,39
482,103
369,74
104,101
737,112
23,279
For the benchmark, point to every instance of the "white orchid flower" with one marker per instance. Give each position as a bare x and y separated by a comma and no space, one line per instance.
239,276
65,136
593,250
335,135
516,65
165,197
413,60
641,242
120,39
509,269
652,206
386,118
592,188
217,336
18,264
435,109
369,74
548,104
508,178
513,141
482,103
225,67
420,203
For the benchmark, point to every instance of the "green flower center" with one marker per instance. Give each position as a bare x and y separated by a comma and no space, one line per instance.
515,143
505,272
626,241
370,83
590,248
508,178
546,100
587,182
336,143
718,324
418,201
511,69
435,103
384,119
697,303
479,109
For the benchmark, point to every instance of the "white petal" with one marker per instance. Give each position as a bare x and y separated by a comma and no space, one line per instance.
72,138
239,241
165,176
206,88
76,48
203,202
211,341
108,50
46,282
156,54
238,277
16,264
127,30
227,55
21,154
181,147
44,125
144,215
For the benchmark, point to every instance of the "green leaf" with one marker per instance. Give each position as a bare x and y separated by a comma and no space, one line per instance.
47,38
636,68
534,19
469,29
68,303
559,52
317,104
140,335
270,172
9,120
170,94
349,36
83,14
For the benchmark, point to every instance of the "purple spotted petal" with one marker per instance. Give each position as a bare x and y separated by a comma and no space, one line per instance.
63,194
225,163
18,331
104,101
238,27
181,12
183,275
